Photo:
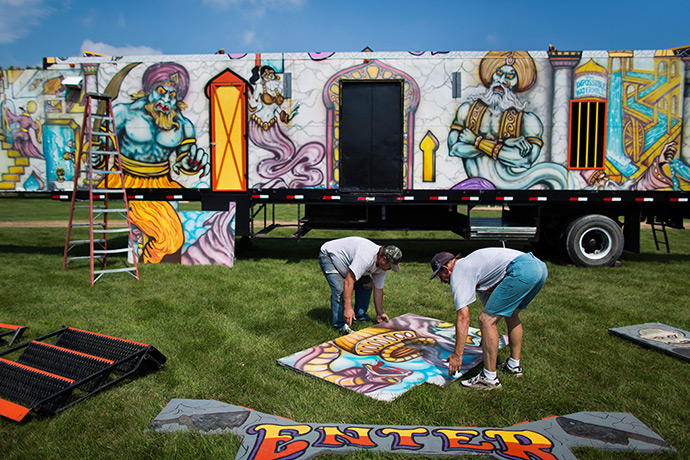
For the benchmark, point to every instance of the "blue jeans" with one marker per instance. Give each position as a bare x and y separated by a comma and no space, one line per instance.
336,281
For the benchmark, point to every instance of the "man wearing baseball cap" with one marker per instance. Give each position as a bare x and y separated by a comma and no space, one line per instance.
350,265
506,281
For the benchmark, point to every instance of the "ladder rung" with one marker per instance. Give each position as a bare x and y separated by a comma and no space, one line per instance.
84,257
110,171
101,117
75,242
105,152
99,191
111,210
112,251
113,230
86,224
114,270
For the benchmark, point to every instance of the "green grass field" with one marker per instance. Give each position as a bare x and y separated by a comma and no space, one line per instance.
223,329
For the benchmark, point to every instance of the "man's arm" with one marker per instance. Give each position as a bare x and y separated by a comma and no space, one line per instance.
378,304
462,325
349,286
460,138
523,151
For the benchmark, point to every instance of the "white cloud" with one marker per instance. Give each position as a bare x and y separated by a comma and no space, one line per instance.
108,50
248,37
18,17
89,20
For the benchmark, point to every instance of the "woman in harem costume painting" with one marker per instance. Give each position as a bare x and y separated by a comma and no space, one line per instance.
288,166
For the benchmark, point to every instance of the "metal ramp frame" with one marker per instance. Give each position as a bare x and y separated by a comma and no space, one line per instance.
15,331
47,378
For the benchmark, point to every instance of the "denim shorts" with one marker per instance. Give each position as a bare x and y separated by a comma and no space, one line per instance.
525,276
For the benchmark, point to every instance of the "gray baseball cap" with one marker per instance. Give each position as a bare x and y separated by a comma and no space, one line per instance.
393,254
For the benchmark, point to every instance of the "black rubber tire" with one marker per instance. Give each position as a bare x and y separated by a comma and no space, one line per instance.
594,241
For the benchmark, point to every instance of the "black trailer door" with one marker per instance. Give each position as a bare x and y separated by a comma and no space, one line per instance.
371,136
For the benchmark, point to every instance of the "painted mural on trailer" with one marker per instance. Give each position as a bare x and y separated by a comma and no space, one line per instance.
560,120
668,339
266,436
472,120
385,360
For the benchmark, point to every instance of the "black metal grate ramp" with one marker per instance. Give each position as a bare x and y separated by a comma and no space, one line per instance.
67,363
48,378
102,346
26,385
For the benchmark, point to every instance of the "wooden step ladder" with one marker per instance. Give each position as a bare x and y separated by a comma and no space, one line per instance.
99,188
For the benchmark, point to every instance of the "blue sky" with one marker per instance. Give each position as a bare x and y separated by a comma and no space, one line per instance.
33,29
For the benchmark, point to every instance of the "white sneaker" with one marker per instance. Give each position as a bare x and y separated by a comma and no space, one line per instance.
480,382
345,329
516,371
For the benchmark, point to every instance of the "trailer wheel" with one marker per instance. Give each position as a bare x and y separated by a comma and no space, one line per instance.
594,241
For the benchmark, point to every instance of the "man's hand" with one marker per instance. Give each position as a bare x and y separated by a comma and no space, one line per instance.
382,318
467,136
454,363
196,160
520,143
669,151
349,315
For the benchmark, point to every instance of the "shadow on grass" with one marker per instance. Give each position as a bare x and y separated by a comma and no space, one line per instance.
422,250
321,315
12,249
419,251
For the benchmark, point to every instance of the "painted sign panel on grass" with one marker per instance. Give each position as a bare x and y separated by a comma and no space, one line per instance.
387,359
266,436
671,340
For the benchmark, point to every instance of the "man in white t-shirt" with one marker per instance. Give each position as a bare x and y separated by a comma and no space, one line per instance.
353,265
506,281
